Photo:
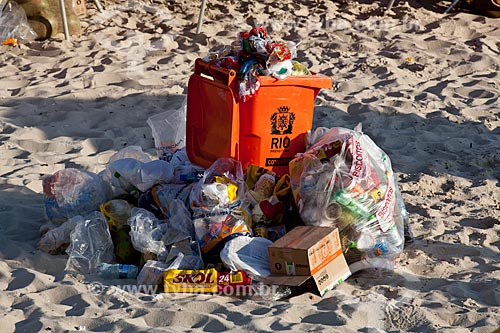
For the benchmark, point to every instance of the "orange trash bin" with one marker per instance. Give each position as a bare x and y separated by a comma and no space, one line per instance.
267,130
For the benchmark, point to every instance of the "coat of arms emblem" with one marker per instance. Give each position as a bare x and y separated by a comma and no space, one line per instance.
282,121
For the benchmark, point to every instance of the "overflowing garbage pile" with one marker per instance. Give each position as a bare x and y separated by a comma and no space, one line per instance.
155,220
255,53
172,223
164,216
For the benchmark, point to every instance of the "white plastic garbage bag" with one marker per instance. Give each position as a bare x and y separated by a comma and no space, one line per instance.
248,254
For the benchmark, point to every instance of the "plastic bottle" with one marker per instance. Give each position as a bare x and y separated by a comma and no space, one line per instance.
359,208
384,248
118,271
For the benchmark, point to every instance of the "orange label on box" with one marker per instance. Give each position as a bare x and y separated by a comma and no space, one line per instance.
326,261
320,252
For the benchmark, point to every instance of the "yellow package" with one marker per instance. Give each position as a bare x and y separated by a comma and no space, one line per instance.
253,174
232,188
190,281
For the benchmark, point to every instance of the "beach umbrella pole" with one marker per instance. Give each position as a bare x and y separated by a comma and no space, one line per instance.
451,6
389,7
200,18
64,19
99,6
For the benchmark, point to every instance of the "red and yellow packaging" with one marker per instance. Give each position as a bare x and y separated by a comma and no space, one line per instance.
226,282
202,281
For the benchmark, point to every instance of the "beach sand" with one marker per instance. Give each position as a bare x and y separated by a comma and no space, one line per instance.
424,86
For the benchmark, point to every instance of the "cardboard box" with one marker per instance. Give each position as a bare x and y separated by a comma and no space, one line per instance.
307,252
205,281
190,281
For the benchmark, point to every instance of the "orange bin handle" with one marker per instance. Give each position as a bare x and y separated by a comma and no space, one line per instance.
224,75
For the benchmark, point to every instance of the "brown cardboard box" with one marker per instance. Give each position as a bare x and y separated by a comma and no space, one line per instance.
307,252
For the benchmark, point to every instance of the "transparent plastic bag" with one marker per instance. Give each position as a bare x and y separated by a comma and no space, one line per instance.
146,233
185,254
90,245
181,170
58,238
213,231
134,152
169,131
179,224
70,192
124,172
222,186
152,273
248,254
117,211
129,176
345,180
13,22
183,261
163,195
217,205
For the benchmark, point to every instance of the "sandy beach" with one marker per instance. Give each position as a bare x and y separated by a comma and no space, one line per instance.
425,87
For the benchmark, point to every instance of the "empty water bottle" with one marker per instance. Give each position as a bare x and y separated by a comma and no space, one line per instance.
118,271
